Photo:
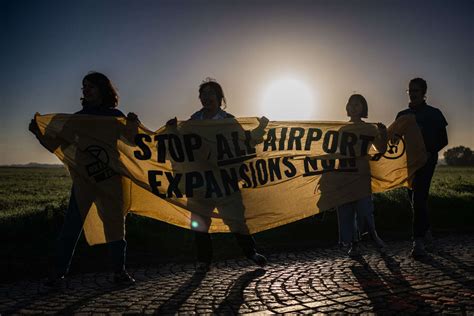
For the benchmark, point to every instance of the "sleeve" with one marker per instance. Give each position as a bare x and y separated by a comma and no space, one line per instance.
441,133
399,114
195,116
118,113
442,120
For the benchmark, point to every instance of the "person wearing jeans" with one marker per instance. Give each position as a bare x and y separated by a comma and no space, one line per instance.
358,215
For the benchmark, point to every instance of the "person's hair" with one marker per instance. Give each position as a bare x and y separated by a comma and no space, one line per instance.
110,98
214,85
362,101
421,83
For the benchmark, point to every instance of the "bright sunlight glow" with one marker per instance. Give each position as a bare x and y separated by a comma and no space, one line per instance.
288,99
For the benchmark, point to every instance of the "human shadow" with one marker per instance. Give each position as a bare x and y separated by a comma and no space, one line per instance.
404,154
88,146
217,192
383,292
58,295
94,168
455,260
235,295
351,171
23,303
398,281
405,149
345,166
72,308
173,304
371,283
448,271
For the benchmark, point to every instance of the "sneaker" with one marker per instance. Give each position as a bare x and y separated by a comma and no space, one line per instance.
202,267
381,246
343,248
123,278
429,242
258,259
354,251
55,282
418,250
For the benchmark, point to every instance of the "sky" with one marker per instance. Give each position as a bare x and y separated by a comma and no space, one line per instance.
286,60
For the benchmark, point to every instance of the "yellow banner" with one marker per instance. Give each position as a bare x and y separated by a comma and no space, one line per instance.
242,175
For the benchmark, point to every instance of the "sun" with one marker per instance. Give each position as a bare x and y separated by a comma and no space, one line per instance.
288,99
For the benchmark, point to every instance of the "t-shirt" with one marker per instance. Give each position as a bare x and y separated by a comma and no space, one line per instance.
431,122
221,114
100,110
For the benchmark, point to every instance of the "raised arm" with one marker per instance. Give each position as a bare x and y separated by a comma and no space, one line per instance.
380,141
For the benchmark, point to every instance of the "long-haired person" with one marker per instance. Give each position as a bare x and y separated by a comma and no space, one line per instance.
100,98
358,215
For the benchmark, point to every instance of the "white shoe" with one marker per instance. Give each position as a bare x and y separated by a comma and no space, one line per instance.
259,259
418,250
354,251
55,282
123,278
202,267
382,247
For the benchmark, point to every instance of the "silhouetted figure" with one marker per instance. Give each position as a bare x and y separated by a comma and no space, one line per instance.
432,124
99,98
358,216
212,97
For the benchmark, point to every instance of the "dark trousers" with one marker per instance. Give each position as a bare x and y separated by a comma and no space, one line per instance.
419,197
204,245
70,233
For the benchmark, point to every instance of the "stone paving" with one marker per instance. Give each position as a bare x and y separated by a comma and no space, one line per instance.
313,281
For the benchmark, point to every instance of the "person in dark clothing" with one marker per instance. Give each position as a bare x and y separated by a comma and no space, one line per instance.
432,124
99,98
212,97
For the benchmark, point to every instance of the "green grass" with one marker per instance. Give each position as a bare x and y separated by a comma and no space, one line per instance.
25,191
33,201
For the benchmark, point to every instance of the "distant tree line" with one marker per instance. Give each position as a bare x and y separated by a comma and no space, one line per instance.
459,156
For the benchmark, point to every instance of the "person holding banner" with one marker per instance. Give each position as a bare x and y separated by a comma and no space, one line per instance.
432,124
212,97
99,98
358,216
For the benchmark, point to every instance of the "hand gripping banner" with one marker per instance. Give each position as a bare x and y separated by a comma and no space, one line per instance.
242,175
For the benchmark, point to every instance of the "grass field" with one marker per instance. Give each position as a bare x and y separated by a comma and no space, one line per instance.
33,201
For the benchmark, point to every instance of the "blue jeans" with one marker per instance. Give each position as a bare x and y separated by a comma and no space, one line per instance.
353,217
70,233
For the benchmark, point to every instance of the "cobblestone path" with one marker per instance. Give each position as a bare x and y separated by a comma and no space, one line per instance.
313,281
